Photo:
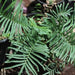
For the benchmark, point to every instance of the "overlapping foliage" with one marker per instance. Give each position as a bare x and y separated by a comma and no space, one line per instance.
28,50
10,23
33,43
63,35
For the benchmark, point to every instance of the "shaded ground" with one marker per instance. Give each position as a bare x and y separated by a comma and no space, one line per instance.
69,70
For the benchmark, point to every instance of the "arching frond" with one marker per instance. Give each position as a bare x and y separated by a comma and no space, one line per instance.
62,38
10,20
27,54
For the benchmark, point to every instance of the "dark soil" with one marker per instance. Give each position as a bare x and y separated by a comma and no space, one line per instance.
69,70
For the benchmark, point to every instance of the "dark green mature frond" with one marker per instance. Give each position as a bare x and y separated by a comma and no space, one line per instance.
27,54
62,40
11,21
61,10
28,49
9,26
56,33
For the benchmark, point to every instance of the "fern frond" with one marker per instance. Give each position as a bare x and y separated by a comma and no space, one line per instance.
63,35
9,26
61,10
11,21
27,55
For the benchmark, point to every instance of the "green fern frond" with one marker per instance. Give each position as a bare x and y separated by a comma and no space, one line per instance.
11,21
62,38
27,55
9,26
61,10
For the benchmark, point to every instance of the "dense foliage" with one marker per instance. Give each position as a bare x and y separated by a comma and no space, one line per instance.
35,44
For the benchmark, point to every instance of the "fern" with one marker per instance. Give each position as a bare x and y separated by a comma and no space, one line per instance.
11,23
28,50
28,53
62,39
32,43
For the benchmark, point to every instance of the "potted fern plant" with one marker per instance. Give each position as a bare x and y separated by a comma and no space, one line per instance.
40,44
